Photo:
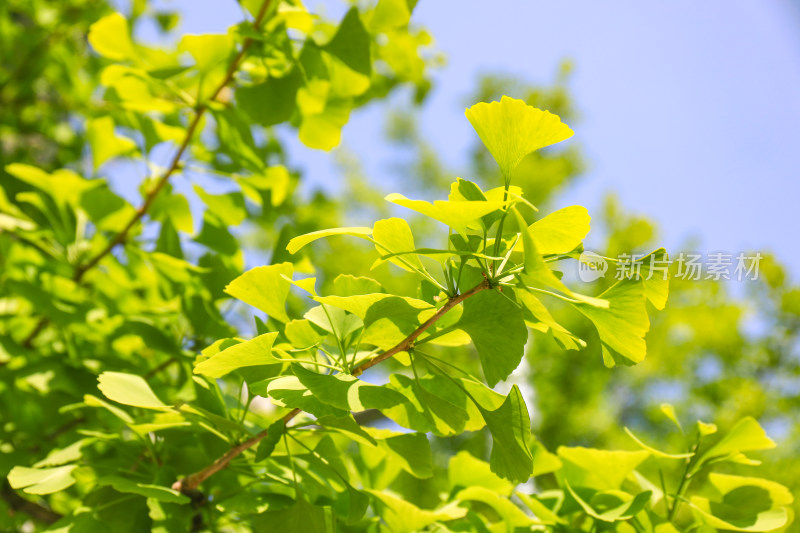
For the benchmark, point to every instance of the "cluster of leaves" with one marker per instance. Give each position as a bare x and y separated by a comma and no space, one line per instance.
705,355
275,427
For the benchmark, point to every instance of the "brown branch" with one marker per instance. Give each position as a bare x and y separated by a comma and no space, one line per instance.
174,165
17,503
191,482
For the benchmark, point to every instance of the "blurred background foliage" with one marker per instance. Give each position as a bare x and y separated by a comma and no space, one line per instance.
718,352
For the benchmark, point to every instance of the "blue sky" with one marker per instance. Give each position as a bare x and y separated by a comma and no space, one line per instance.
689,111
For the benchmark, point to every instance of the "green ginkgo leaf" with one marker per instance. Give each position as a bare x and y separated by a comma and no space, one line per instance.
411,451
393,236
744,504
298,242
265,288
41,480
128,389
609,506
623,324
511,516
105,142
255,352
598,469
164,494
465,470
323,130
459,215
746,436
510,427
510,129
110,37
497,329
351,44
208,50
402,516
561,231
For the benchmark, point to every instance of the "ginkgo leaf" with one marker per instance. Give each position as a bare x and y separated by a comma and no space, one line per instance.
402,516
389,14
128,389
510,427
541,511
598,469
655,277
301,517
432,404
511,516
747,435
392,236
288,391
298,242
323,130
255,352
64,455
110,37
351,44
347,392
510,129
208,50
497,329
536,272
609,506
348,285
623,325
459,215
105,142
561,231
164,494
412,451
540,313
744,504
41,480
731,519
465,470
265,288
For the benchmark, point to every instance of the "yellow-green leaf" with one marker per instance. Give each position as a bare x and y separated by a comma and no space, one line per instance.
110,37
128,389
265,288
255,352
561,231
41,480
510,129
207,50
105,143
298,242
457,214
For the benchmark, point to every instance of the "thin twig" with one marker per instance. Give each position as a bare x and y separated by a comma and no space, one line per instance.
191,482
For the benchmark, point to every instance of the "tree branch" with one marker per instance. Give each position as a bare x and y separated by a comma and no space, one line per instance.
174,165
192,481
17,503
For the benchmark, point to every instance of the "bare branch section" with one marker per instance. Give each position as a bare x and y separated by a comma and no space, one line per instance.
174,165
191,482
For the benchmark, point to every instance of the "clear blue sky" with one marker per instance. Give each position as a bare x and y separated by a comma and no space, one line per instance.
690,110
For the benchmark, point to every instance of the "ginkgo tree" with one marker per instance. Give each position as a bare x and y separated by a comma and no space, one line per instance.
226,431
